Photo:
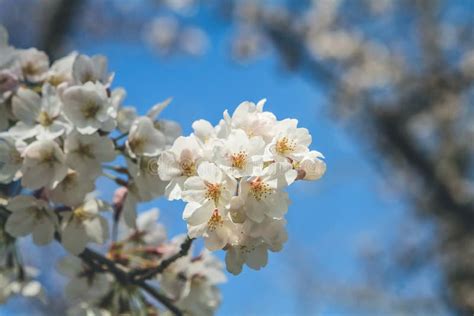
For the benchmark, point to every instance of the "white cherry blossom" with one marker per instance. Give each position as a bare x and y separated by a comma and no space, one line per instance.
61,70
178,164
31,216
125,118
85,284
40,116
144,139
91,69
311,166
10,158
252,252
89,108
86,153
239,155
263,193
209,194
82,225
34,64
43,165
72,190
253,120
145,177
148,230
290,142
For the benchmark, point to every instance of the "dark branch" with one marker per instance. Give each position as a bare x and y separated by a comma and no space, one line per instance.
58,26
143,274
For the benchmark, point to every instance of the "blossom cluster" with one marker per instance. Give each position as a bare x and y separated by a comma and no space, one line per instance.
233,176
63,126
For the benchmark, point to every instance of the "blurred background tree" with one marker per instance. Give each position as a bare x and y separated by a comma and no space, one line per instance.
397,73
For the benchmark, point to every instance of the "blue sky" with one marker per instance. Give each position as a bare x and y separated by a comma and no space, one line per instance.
327,219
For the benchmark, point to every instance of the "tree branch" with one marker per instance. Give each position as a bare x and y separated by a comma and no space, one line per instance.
103,264
143,274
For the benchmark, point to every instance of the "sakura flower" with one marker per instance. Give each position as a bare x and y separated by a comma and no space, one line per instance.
125,118
217,229
145,177
263,193
171,130
31,216
211,188
204,131
72,190
91,69
144,139
191,281
148,230
83,225
271,230
61,70
203,298
240,155
89,108
10,158
86,153
39,117
34,64
252,252
289,142
43,165
253,120
85,283
311,167
209,194
178,164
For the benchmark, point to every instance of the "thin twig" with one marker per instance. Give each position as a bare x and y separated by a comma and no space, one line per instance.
102,263
144,274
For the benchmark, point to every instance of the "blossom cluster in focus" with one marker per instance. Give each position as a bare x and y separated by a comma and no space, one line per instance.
233,177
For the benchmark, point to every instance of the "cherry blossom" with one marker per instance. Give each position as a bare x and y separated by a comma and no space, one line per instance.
31,216
43,165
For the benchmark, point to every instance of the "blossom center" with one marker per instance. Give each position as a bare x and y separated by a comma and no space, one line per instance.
15,157
30,69
48,157
80,214
39,213
90,109
136,144
44,119
259,189
215,220
213,192
239,159
188,167
284,146
85,150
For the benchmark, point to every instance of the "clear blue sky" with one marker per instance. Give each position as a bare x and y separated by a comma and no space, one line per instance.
327,219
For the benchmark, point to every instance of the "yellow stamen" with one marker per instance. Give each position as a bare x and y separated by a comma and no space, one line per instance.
215,220
188,167
213,192
285,146
239,159
90,109
44,119
259,189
